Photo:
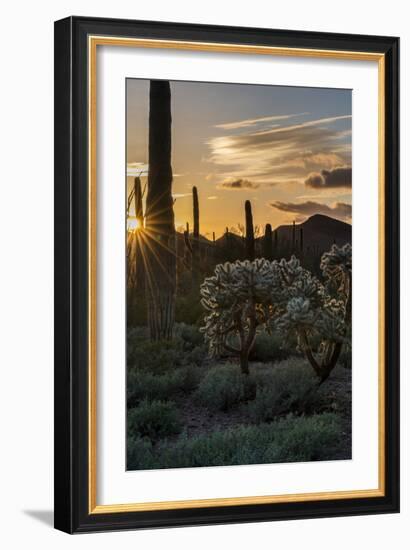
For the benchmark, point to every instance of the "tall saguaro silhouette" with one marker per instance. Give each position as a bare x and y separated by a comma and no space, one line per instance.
195,240
159,235
249,235
138,236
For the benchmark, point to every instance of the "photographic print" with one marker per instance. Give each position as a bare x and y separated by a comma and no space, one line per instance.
239,274
217,360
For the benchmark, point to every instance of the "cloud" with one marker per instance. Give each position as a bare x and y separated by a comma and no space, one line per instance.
239,183
181,195
341,210
212,198
283,154
137,169
336,177
141,169
254,121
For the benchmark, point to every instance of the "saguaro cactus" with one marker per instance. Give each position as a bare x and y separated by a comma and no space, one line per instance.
187,249
267,242
139,215
138,203
276,243
249,236
159,234
195,241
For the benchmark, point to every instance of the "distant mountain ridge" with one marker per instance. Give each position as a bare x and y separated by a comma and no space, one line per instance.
318,230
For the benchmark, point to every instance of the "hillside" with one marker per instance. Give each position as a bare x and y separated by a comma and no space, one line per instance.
318,231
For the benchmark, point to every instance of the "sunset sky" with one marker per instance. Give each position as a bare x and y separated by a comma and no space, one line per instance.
286,149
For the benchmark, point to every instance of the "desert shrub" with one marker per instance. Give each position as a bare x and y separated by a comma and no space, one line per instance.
303,439
291,439
187,347
142,384
270,347
153,419
188,308
157,357
190,335
222,387
140,455
290,386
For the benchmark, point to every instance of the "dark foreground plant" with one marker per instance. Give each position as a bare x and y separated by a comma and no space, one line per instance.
153,419
292,439
222,387
290,386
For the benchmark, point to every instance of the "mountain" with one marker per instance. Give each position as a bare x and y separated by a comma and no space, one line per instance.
319,231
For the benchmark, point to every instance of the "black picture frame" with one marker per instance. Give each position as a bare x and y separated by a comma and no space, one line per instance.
71,491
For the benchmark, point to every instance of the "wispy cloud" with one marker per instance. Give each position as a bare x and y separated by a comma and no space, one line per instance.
137,169
141,169
255,121
341,210
212,198
282,154
181,195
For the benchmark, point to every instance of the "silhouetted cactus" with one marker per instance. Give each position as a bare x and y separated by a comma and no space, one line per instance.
195,239
138,236
139,215
294,236
159,234
249,236
267,243
188,248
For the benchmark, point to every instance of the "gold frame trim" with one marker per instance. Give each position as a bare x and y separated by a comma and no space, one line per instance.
93,42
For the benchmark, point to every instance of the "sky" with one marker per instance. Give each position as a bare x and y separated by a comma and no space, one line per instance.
286,149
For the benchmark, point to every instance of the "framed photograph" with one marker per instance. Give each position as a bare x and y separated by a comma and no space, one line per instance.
226,274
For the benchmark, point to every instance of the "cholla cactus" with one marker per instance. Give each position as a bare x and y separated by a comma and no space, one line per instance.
337,261
237,298
311,309
336,266
244,297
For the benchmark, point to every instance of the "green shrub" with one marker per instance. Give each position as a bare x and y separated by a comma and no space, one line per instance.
222,387
187,347
190,335
188,308
140,454
291,439
286,387
153,419
156,357
305,439
269,348
142,384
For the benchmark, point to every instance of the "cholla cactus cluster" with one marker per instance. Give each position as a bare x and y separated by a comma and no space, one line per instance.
237,298
244,297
